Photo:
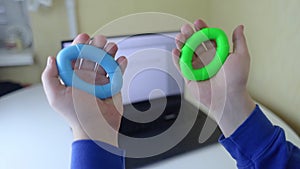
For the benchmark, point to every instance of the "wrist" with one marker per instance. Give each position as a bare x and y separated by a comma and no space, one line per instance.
238,107
109,137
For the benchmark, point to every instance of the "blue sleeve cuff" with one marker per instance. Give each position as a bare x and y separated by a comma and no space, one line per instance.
251,137
90,154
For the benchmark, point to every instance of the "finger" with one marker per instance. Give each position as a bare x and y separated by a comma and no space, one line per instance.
239,41
199,24
176,56
83,64
82,38
50,80
99,41
204,59
122,61
102,79
111,48
205,46
180,40
210,44
196,62
187,30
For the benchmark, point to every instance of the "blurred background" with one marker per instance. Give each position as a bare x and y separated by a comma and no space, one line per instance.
271,27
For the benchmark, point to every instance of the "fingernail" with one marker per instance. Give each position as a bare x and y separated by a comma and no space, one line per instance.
122,59
49,61
243,27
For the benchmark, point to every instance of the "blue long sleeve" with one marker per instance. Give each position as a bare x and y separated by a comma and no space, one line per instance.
257,144
89,154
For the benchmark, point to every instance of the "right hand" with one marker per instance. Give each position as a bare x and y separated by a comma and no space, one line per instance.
232,78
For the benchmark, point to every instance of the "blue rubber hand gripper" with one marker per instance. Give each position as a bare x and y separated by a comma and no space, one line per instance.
97,55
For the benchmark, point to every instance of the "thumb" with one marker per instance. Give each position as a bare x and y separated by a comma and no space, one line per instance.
51,83
239,41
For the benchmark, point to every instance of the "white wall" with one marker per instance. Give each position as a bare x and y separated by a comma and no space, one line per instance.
272,28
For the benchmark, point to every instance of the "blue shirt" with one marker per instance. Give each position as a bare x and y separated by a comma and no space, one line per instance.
256,144
90,154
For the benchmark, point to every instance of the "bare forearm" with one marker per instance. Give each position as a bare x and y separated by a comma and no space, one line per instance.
238,107
108,136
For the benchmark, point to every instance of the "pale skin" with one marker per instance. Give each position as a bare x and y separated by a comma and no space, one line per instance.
232,78
89,116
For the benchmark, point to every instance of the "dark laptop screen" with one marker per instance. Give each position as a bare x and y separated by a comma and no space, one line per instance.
150,73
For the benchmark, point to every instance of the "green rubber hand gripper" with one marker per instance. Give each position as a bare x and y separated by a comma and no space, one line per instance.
211,69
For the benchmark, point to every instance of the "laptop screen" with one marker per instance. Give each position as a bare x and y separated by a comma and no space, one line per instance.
150,73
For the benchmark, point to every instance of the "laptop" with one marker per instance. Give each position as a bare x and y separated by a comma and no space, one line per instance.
154,103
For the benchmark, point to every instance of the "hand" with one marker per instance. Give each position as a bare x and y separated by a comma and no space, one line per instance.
88,116
225,95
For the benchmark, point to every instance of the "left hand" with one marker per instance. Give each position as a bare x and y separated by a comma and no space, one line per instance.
88,116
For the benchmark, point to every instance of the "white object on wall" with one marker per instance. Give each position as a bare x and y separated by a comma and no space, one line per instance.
71,12
16,35
33,5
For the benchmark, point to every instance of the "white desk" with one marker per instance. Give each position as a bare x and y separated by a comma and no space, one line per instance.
33,136
215,156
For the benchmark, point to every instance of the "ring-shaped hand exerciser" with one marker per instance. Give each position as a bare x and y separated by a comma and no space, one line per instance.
187,52
97,55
